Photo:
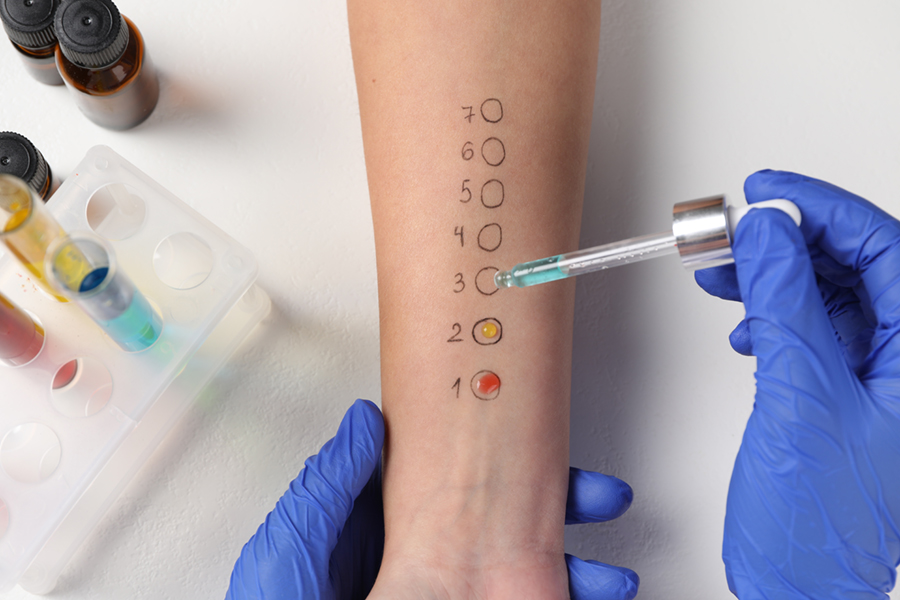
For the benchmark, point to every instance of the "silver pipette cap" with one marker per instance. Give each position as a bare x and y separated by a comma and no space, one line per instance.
701,232
704,229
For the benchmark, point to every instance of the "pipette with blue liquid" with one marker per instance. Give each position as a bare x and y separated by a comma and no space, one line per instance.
702,232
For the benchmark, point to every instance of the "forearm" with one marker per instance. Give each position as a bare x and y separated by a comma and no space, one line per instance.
454,192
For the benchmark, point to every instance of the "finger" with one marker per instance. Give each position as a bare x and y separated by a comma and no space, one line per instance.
324,492
592,580
594,497
854,232
356,559
853,329
798,358
740,339
291,549
720,282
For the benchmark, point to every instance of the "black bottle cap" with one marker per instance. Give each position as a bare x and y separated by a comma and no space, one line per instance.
92,33
29,23
19,157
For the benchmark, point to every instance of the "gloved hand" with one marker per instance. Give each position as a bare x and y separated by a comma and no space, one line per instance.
814,502
325,537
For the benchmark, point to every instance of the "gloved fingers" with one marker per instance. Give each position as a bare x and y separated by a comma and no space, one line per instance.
290,551
854,232
832,270
720,282
323,493
740,339
592,580
853,329
595,497
799,359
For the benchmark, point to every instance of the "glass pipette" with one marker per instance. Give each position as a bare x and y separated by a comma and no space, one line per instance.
701,234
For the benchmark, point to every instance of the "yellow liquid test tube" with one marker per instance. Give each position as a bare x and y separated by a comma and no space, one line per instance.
28,229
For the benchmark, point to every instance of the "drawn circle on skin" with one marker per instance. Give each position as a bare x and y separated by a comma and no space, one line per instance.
493,193
493,152
485,385
487,332
484,281
490,237
492,110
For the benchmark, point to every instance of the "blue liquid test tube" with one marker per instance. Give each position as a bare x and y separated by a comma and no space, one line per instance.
84,269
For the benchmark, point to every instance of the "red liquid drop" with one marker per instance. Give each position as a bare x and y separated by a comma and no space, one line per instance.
488,383
65,374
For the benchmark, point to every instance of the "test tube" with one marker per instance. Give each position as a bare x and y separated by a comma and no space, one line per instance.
27,228
84,268
21,337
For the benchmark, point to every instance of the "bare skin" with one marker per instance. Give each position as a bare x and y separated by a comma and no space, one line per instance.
474,488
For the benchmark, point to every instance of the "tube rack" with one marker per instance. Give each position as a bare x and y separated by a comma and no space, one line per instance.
67,453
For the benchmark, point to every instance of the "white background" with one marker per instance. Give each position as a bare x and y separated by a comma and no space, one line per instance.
258,129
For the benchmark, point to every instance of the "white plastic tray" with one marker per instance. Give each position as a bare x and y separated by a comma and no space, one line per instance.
65,454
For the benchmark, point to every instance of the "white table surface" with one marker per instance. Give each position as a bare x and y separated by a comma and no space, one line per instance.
258,129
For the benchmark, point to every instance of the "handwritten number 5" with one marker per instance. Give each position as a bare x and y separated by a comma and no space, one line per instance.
466,190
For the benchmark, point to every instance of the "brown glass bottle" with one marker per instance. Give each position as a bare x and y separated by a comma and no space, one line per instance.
104,63
19,157
29,25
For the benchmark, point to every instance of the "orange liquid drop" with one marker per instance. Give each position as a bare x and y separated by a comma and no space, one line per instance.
488,383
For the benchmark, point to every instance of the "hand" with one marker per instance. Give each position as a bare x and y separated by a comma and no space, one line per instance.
325,537
814,502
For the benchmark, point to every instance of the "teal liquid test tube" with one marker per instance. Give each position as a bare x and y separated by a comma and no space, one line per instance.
84,269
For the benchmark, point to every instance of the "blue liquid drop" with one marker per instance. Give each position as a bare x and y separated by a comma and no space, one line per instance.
93,279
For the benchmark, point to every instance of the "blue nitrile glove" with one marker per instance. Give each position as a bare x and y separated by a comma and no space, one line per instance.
325,537
814,503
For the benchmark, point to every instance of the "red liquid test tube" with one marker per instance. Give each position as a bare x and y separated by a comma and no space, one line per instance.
21,338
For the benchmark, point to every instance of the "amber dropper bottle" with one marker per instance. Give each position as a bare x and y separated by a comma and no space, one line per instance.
19,157
29,25
104,63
